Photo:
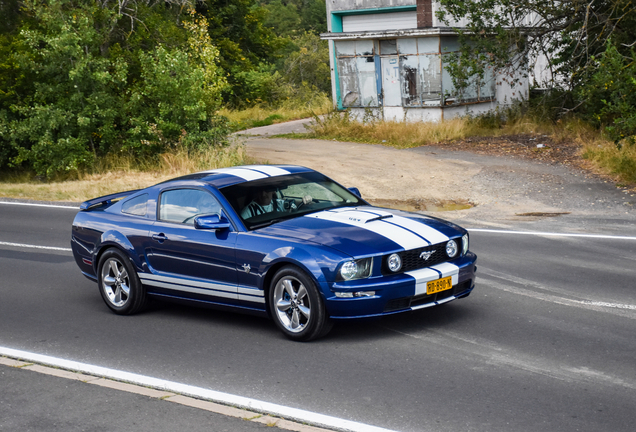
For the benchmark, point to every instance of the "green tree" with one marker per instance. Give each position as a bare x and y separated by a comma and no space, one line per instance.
244,42
283,17
177,95
573,35
610,95
308,65
105,77
293,17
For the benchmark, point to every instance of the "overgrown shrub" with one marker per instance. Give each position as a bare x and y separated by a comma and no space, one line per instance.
610,95
93,91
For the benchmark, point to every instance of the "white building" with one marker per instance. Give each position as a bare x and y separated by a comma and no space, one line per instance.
388,56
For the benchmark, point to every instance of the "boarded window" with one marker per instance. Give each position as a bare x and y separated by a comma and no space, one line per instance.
409,67
414,73
356,73
431,79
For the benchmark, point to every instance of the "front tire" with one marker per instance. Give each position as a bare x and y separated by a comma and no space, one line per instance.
296,305
119,284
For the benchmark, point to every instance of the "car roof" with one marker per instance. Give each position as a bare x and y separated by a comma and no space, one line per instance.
240,174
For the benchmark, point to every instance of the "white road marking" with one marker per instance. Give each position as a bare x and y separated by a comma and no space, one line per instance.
547,234
197,392
622,310
609,305
35,246
498,355
40,205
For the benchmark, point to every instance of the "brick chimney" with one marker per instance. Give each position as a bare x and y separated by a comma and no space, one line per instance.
424,13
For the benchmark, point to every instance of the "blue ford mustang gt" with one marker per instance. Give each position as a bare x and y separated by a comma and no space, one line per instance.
281,241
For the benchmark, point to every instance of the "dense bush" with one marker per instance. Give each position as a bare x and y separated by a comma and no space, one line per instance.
103,81
610,95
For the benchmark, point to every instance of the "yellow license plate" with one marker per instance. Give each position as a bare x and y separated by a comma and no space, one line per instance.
438,285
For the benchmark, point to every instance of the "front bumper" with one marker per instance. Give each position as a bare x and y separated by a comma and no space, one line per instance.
401,293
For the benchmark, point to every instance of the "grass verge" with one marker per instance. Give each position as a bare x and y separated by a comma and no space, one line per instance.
345,127
122,173
619,163
263,115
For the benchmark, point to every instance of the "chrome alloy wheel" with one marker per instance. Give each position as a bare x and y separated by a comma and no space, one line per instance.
116,282
293,306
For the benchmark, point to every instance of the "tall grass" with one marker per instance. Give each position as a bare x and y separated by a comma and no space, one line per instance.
120,173
264,115
620,163
343,126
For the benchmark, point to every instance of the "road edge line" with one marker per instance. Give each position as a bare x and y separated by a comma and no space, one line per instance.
548,234
287,413
40,205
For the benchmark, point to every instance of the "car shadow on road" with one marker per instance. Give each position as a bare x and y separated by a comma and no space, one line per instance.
440,317
445,316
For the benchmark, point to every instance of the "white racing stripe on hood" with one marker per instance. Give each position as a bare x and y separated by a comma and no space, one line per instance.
433,273
388,228
429,233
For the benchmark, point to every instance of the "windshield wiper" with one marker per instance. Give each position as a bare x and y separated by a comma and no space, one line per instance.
264,224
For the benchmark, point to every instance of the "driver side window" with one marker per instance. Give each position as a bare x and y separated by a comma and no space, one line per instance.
183,205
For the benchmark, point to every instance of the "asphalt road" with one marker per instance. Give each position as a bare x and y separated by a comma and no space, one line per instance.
545,342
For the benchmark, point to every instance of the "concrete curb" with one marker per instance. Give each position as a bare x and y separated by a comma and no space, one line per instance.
221,403
162,395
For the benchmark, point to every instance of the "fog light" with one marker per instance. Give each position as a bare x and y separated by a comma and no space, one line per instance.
394,262
451,248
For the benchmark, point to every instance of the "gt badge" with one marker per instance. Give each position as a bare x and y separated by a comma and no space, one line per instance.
246,268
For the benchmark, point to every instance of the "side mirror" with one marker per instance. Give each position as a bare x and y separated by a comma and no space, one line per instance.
355,191
212,222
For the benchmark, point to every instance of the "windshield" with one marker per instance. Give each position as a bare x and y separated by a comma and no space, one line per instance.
266,201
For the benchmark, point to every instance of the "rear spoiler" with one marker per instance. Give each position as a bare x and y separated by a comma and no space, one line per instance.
106,200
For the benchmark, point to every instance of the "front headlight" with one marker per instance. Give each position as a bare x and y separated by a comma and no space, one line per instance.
355,269
451,248
464,244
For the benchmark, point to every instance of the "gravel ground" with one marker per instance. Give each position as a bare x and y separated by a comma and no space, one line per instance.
504,182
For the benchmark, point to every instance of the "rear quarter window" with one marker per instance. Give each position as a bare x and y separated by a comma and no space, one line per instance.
137,206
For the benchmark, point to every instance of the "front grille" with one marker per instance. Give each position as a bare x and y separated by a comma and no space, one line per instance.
411,259
407,302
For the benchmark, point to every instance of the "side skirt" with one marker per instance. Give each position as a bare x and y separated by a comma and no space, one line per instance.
209,304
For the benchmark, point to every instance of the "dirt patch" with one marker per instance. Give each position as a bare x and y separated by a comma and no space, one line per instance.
423,205
535,147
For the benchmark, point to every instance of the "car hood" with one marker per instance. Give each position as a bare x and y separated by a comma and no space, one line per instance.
363,231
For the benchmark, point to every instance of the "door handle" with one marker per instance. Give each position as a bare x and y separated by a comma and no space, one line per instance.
159,237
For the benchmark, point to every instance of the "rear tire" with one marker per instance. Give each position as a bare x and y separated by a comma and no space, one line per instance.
296,305
119,284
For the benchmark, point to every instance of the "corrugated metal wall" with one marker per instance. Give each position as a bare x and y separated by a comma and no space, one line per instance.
380,21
